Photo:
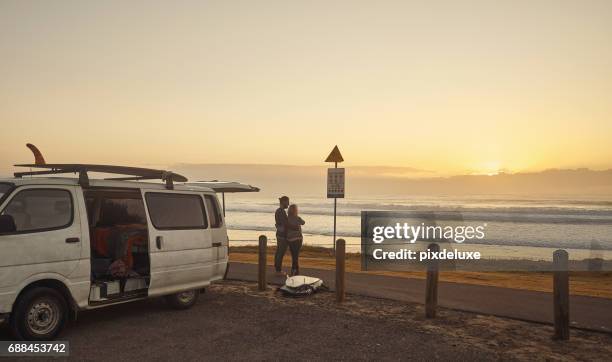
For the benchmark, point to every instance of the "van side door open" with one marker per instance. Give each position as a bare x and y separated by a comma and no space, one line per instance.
181,243
119,244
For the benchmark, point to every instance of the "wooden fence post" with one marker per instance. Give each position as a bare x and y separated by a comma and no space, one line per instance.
561,294
340,270
261,271
431,287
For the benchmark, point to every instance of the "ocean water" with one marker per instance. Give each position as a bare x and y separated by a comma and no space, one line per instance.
581,223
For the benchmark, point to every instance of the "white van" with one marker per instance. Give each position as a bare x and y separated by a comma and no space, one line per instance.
71,244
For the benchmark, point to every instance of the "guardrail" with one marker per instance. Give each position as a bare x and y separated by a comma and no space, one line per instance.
340,270
561,295
560,283
262,261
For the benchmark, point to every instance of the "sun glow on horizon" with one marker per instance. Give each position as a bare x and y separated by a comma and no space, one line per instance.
478,88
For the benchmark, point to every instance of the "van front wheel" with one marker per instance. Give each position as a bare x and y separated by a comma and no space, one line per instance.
39,315
184,299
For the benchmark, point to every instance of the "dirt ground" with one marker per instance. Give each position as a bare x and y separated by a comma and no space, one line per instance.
233,321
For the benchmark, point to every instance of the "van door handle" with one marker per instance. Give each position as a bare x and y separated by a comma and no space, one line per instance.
72,240
159,241
216,245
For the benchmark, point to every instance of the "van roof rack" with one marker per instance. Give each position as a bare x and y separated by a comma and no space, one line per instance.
133,173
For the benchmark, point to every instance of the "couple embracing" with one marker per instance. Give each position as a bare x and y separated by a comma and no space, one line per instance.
288,234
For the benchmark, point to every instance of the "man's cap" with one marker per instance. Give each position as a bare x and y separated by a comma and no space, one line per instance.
283,198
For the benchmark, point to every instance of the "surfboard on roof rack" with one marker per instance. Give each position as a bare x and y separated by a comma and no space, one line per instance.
131,173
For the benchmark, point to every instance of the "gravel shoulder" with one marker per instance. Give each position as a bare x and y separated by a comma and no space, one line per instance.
233,321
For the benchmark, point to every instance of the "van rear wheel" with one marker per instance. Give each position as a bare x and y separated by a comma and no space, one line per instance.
40,315
184,299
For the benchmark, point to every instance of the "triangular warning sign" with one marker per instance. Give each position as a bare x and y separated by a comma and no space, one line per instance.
334,156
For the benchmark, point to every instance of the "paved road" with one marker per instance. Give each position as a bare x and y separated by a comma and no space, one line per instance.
585,312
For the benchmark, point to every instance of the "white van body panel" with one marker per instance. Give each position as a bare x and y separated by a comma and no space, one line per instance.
219,239
182,260
81,276
78,288
33,256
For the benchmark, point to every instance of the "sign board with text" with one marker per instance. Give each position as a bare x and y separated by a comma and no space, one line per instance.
335,183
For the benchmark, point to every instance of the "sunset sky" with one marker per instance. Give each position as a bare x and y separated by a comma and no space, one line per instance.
448,86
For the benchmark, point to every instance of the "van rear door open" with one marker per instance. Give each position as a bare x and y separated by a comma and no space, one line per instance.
180,241
219,232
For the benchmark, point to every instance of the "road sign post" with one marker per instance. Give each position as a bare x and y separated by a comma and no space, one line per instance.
335,183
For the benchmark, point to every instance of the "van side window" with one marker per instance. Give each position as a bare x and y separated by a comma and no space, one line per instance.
216,220
115,211
176,211
40,209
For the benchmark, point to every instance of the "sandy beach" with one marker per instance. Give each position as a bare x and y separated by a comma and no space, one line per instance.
493,252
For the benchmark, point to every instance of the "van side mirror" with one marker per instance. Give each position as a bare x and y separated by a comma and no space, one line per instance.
7,224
